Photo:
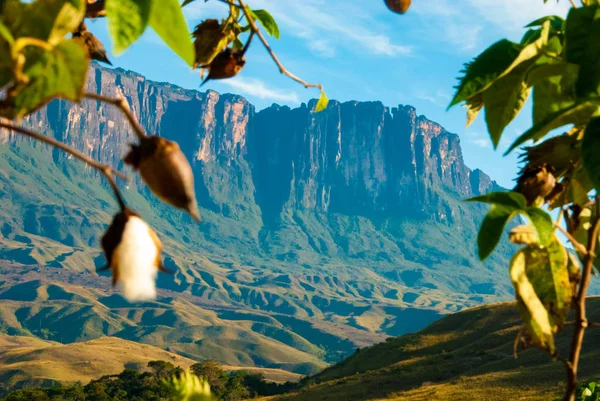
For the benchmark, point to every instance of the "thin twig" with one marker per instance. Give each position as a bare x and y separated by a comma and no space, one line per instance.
122,104
231,3
573,3
282,69
581,319
580,248
103,168
589,324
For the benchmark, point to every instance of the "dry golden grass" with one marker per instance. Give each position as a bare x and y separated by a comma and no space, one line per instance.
34,361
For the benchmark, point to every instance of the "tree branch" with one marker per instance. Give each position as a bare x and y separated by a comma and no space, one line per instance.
231,3
573,3
122,104
581,320
103,168
282,69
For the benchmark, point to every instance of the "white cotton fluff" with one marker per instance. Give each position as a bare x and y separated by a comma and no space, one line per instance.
135,257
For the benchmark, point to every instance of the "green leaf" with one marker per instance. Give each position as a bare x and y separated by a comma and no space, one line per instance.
544,226
267,21
322,102
504,99
48,20
577,114
485,69
6,35
530,36
127,20
507,198
533,312
553,88
583,47
555,20
167,20
492,228
60,72
590,149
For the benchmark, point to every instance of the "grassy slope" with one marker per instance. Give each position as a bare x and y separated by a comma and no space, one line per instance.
32,304
465,356
26,360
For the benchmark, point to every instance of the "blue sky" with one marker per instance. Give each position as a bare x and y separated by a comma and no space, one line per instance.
360,51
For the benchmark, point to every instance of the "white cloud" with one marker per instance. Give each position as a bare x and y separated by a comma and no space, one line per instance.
479,139
258,88
320,22
462,24
481,142
437,97
512,15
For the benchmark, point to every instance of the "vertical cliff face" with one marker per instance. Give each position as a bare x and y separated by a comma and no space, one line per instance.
358,158
355,158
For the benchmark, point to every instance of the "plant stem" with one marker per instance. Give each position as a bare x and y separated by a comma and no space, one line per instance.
580,318
122,104
282,69
580,248
103,168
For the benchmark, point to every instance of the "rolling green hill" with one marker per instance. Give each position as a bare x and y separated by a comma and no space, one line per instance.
465,356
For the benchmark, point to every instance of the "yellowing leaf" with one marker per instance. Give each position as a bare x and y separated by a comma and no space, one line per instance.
535,315
68,19
60,72
474,106
322,102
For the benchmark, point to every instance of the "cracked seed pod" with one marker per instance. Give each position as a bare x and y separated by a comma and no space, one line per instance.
398,6
209,41
226,64
165,169
536,182
92,44
132,251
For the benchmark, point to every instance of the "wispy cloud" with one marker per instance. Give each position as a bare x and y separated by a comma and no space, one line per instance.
436,97
319,22
462,25
481,142
258,88
479,139
512,15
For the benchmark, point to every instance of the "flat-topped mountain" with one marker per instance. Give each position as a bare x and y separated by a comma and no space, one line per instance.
321,231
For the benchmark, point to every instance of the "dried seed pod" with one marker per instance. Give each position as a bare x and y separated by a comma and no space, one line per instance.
398,6
94,47
226,64
536,182
523,235
132,251
165,169
210,40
